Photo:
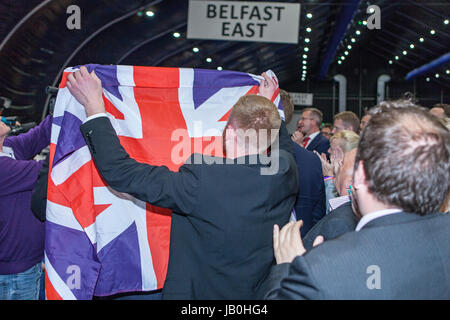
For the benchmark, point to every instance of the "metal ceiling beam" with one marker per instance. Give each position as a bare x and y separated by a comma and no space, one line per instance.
430,66
88,39
345,17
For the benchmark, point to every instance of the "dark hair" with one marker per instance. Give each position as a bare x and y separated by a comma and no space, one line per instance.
405,153
326,125
287,104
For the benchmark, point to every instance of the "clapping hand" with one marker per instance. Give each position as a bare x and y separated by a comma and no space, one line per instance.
328,169
287,243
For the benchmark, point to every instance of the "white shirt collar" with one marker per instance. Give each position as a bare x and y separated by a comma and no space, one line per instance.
375,215
311,137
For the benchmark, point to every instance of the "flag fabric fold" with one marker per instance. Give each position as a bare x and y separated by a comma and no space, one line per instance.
100,242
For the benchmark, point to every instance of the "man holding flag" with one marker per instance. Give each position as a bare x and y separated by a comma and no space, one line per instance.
223,210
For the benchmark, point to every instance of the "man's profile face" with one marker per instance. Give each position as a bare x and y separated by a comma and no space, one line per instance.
438,112
338,126
306,124
364,122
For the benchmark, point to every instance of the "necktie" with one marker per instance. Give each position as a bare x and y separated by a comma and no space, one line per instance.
305,142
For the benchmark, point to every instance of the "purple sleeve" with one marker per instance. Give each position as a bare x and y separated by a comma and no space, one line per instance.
29,144
18,175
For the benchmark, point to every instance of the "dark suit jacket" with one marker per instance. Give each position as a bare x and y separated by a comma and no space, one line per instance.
223,214
333,225
310,204
39,196
320,144
408,254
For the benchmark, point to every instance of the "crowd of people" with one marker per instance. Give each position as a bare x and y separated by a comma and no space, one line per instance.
357,209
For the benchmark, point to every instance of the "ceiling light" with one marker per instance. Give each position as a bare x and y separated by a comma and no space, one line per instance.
306,49
342,58
219,68
304,67
365,22
371,10
411,46
209,60
390,62
405,52
433,32
149,13
309,15
346,53
447,71
304,62
349,47
353,40
437,75
308,29
307,40
421,39
358,32
446,21
176,34
428,79
396,58
305,56
195,49
340,62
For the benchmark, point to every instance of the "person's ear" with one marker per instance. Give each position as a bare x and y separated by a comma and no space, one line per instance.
359,178
340,155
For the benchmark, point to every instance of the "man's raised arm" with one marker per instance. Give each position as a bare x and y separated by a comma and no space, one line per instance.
154,184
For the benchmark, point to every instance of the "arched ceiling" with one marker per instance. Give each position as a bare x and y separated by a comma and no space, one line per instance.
36,45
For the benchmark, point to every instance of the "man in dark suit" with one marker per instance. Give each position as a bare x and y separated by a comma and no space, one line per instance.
342,219
399,249
310,204
309,124
223,214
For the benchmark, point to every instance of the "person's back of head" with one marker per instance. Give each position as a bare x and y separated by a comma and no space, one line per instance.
346,120
287,104
405,154
252,126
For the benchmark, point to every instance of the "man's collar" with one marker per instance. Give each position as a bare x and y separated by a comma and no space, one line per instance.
313,135
375,215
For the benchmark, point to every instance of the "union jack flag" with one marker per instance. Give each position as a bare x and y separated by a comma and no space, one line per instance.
100,242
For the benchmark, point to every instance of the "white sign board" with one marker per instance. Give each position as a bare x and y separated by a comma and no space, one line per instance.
244,21
301,99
